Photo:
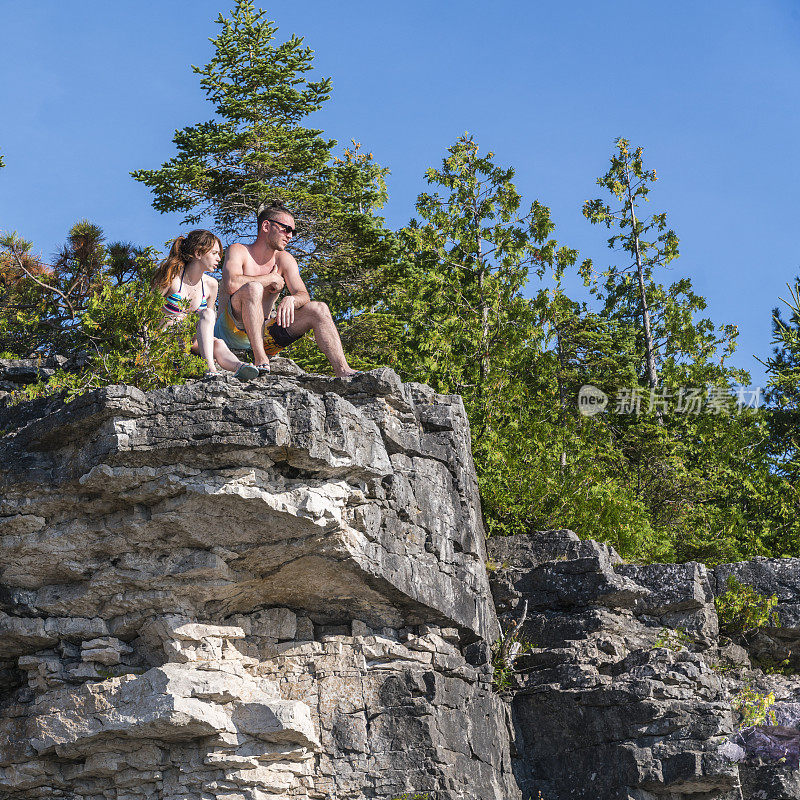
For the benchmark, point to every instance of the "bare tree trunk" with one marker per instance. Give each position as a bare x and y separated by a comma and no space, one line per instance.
484,306
562,391
649,347
484,366
652,374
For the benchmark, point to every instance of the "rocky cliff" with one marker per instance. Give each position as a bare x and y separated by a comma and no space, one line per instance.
246,591
279,590
627,690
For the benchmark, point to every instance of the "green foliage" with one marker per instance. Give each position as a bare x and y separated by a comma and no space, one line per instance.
369,339
416,796
672,345
753,707
121,329
525,486
674,640
784,367
505,653
467,329
657,486
30,314
705,480
94,305
458,288
772,666
724,669
741,609
518,364
42,304
257,147
783,393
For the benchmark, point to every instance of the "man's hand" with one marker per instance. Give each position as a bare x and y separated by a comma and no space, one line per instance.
273,283
286,312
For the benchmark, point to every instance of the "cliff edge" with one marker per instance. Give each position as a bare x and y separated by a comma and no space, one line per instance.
262,590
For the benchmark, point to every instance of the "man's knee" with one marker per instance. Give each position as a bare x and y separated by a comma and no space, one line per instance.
251,292
318,309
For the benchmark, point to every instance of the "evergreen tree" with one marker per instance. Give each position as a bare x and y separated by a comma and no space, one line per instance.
690,469
781,505
257,147
468,329
783,392
458,290
543,463
675,347
628,180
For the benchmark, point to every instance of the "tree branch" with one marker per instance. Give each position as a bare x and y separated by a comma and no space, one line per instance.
44,285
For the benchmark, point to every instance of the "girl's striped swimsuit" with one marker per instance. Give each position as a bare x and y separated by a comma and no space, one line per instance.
173,302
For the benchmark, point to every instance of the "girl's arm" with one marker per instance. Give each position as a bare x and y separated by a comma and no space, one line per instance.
168,320
205,324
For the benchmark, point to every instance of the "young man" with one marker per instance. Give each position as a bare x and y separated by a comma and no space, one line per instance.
253,276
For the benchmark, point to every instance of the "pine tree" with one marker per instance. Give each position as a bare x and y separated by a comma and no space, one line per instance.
783,392
467,328
690,469
257,147
459,288
674,345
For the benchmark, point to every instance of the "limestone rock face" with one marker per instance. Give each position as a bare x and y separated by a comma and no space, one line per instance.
628,689
260,590
345,499
18,372
279,590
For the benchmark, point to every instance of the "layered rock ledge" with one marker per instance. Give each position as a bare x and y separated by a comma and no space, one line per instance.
345,499
246,591
628,689
279,590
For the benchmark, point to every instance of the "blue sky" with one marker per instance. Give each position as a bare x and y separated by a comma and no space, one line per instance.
91,90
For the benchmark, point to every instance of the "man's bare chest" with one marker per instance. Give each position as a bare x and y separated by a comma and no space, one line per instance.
255,268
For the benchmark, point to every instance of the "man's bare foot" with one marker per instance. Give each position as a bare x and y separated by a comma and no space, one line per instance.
351,373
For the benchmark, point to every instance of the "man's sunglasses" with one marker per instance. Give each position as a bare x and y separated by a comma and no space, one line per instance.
286,228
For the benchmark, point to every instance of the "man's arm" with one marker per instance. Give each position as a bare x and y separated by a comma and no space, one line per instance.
233,277
298,294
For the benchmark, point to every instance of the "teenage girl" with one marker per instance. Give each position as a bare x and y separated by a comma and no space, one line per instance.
182,279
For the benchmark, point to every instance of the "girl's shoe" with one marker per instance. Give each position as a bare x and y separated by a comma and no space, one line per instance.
263,369
246,372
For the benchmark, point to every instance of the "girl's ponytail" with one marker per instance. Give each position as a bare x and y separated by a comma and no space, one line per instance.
183,250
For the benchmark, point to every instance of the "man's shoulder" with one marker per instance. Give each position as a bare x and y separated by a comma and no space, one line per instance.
237,255
284,259
236,249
